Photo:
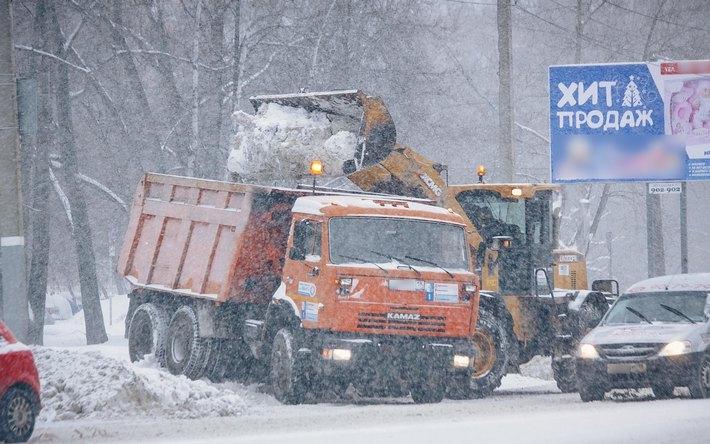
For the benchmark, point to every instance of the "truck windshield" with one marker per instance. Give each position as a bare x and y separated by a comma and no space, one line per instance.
670,306
385,239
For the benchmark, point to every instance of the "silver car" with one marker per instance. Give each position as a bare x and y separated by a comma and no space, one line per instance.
657,335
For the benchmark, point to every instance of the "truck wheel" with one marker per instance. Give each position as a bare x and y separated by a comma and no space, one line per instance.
18,410
429,391
288,379
564,373
590,392
492,345
700,386
146,333
186,352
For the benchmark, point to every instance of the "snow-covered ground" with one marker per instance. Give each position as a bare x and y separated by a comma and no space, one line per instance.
95,394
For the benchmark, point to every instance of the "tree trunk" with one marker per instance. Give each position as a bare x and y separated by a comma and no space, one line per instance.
505,90
81,229
237,55
41,184
196,144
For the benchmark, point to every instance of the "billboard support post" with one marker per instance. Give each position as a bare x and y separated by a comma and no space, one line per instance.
684,228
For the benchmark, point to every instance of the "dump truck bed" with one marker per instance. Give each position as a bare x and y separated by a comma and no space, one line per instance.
208,239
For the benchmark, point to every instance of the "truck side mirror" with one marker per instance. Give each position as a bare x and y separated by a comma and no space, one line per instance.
608,286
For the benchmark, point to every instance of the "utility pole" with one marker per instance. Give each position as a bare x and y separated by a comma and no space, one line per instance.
13,279
683,228
505,89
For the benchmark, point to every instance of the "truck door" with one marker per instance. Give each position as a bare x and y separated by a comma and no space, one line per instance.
303,267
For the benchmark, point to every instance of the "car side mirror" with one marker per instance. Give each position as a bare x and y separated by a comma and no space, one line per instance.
608,286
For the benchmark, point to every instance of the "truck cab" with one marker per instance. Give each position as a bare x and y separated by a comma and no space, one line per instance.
380,284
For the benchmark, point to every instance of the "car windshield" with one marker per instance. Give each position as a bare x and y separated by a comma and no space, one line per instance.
385,239
671,306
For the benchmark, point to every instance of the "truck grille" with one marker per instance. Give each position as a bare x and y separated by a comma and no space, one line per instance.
381,321
628,352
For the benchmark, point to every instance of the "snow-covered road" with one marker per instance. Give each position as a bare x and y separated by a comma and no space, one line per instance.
93,394
516,413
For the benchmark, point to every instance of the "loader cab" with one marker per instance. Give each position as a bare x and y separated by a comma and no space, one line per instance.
527,216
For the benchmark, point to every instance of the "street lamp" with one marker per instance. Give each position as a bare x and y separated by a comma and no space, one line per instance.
481,171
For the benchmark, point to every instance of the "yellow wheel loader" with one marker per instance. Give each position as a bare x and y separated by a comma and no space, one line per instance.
534,295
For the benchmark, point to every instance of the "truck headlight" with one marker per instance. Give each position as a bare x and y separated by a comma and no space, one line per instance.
461,361
337,354
588,351
676,348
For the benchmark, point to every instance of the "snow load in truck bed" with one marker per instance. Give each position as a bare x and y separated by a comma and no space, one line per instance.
280,141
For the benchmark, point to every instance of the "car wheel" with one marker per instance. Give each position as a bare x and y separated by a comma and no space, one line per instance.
700,387
288,379
17,415
146,333
591,392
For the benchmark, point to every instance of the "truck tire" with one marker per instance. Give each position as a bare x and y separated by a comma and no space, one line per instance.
18,411
590,392
492,344
564,373
287,375
429,391
186,353
700,386
146,333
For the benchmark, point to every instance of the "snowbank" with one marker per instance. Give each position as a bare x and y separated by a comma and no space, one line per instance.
79,384
279,142
539,367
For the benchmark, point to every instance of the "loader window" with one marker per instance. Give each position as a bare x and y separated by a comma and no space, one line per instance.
306,241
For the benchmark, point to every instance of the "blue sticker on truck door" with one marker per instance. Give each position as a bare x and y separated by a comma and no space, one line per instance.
309,311
441,292
306,289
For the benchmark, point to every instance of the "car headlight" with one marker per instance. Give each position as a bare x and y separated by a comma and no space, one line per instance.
588,351
461,361
676,348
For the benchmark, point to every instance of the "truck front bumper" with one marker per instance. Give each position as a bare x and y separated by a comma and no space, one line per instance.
386,358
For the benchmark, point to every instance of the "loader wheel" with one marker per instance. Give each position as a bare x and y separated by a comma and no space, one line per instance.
564,373
146,333
287,373
186,352
492,345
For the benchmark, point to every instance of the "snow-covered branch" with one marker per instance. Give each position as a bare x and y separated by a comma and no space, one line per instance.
103,188
62,197
53,56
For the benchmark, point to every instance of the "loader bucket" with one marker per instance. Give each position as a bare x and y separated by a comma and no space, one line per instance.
353,110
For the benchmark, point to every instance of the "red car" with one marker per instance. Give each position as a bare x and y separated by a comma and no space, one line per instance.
19,389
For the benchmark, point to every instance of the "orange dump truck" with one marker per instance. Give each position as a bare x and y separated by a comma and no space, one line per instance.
312,291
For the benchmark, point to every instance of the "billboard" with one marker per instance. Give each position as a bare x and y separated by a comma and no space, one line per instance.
630,122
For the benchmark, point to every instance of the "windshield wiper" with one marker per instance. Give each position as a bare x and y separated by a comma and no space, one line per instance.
424,261
390,257
675,311
364,261
638,313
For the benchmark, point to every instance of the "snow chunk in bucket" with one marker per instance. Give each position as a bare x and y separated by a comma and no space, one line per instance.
90,385
280,141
